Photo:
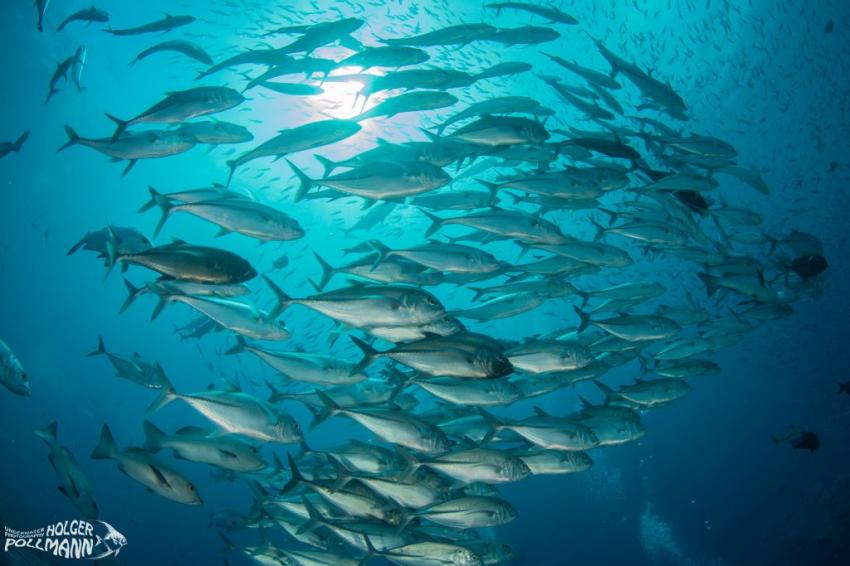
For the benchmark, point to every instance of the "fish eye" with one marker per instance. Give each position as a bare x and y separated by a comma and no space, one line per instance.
24,376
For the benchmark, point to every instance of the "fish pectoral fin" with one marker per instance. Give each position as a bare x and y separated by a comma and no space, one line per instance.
159,476
227,454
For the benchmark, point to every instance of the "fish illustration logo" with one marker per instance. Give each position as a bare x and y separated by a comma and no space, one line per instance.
110,544
71,540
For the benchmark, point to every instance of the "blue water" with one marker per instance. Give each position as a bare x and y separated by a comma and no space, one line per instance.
706,485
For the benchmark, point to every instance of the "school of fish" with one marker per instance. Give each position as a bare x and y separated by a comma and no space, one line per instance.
513,215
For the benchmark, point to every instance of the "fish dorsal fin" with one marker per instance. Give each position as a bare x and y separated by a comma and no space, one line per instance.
540,412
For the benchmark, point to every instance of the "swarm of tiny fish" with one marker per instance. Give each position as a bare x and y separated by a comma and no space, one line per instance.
554,211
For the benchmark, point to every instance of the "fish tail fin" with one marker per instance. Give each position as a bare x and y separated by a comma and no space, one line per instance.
584,319
73,138
492,187
329,408
162,300
709,282
106,447
369,354
328,271
48,433
370,552
231,165
327,165
120,125
101,348
79,244
341,477
436,222
494,425
275,394
282,300
20,141
238,347
51,91
151,202
524,248
430,135
295,475
314,285
165,206
600,230
153,436
612,215
609,393
410,462
382,252
112,255
479,291
303,450
132,294
585,296
305,181
315,520
166,396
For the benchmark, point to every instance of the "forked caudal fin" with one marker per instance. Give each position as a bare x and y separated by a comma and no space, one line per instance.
584,319
382,252
305,182
100,350
132,293
282,300
106,447
369,355
436,222
709,282
329,409
73,138
166,396
48,433
328,271
120,126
